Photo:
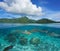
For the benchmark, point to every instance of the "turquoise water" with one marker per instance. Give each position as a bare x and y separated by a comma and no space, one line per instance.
30,37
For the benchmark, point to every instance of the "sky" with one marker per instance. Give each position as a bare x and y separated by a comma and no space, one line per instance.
33,9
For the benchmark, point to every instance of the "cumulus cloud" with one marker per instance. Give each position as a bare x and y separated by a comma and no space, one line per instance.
55,16
21,6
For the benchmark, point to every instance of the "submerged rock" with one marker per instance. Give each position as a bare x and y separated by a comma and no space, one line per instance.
8,48
54,35
35,41
23,41
16,31
10,38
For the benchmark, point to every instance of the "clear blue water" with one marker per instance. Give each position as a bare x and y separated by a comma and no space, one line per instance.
48,34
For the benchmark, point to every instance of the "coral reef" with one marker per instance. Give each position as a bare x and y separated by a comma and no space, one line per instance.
23,41
35,41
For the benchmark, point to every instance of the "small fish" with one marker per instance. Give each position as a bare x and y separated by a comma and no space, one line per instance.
8,48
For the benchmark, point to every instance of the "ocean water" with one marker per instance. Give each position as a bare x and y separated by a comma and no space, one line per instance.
30,37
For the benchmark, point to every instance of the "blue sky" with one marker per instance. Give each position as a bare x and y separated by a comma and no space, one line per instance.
50,4
34,9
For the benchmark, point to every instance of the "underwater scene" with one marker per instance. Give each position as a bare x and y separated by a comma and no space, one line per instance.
30,37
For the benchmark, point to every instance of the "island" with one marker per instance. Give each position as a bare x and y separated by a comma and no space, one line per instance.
26,20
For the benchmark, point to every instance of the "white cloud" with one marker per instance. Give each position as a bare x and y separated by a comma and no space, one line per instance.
54,16
21,6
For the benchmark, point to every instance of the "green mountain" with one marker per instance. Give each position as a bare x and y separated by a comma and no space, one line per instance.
25,20
17,20
45,21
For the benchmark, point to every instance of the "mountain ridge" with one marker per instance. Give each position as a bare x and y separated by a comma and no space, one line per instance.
26,20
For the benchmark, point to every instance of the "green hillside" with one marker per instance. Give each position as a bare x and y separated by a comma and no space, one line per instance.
25,20
45,21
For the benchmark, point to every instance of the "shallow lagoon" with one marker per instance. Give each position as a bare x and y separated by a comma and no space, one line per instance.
30,37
